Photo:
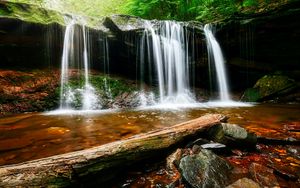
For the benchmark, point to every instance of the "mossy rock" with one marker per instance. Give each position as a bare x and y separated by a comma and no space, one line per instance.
35,13
30,13
251,95
269,87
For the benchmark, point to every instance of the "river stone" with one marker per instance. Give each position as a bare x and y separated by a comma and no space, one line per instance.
244,183
204,169
263,175
269,87
232,135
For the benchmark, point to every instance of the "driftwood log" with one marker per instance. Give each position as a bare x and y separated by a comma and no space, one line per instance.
95,164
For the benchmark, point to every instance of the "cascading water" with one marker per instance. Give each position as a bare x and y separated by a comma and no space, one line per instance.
166,47
90,100
69,95
66,95
215,56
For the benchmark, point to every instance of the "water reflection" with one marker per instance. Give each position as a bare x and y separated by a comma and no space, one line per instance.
31,136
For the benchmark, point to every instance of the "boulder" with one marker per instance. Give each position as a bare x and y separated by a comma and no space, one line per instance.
232,135
125,100
124,23
269,87
244,183
204,169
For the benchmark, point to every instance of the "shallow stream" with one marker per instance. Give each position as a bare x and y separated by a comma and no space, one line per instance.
36,135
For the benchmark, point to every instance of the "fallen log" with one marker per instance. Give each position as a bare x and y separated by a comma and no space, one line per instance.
93,164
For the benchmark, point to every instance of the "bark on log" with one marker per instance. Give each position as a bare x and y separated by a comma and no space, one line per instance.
72,168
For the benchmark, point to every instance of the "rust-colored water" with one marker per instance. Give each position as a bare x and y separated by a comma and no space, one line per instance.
32,136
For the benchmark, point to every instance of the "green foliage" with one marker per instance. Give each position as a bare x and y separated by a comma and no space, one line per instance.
201,10
249,3
182,9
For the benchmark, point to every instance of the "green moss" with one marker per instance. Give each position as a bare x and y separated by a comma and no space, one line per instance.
105,86
251,95
268,87
115,86
270,84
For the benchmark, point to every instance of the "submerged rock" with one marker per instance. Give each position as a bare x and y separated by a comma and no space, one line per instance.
232,135
244,183
204,169
263,175
269,87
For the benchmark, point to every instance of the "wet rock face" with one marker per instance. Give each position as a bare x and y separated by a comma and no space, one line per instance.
262,43
204,169
29,45
125,100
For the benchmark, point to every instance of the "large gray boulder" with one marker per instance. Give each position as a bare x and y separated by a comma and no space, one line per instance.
205,169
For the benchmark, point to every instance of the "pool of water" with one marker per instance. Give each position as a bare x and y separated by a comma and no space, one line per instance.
35,135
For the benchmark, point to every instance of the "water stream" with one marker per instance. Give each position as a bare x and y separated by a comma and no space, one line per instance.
215,56
65,93
31,136
68,94
166,47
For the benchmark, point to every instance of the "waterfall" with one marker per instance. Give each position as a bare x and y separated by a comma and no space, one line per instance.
215,56
166,47
68,94
90,100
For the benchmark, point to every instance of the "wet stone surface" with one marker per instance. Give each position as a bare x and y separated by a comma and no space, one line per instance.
204,169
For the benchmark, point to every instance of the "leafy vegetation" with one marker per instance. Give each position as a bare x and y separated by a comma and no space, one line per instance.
201,10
